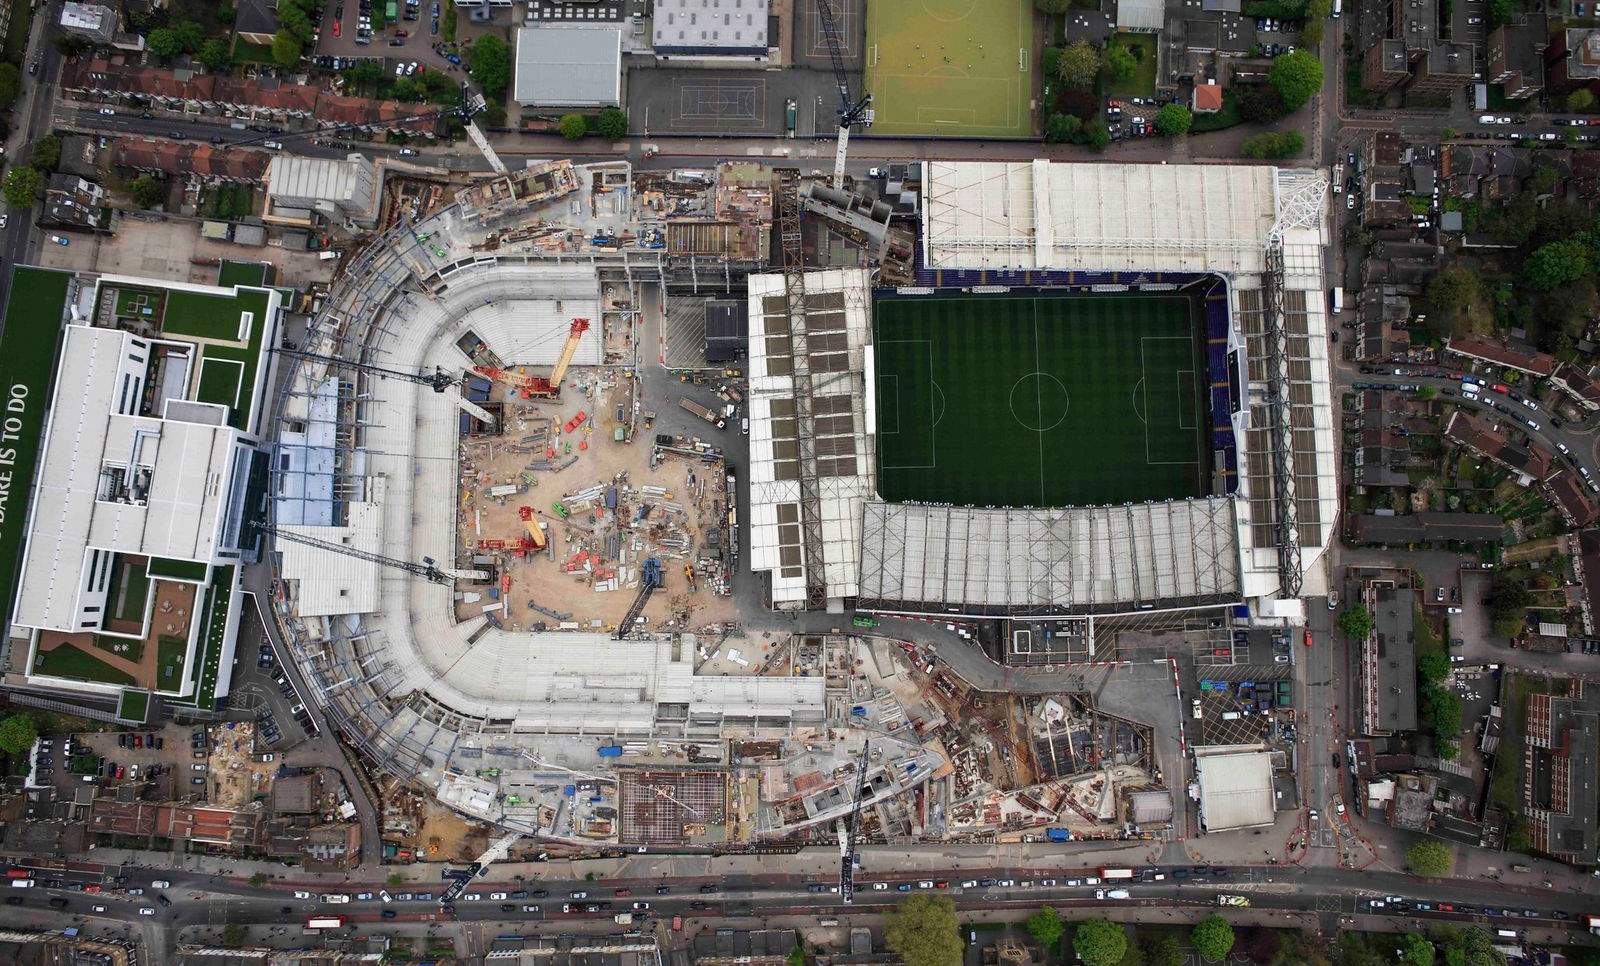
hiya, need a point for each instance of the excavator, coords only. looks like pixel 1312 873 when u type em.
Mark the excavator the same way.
pixel 535 387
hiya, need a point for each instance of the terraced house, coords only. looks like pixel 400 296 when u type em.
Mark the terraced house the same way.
pixel 136 407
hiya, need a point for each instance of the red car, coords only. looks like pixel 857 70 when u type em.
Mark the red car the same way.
pixel 619 893
pixel 337 28
pixel 138 741
pixel 119 772
pixel 1500 388
pixel 1308 637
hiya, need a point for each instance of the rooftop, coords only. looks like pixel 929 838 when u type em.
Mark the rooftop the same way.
pixel 1392 661
pixel 1236 788
pixel 709 26
pixel 569 66
pixel 1583 53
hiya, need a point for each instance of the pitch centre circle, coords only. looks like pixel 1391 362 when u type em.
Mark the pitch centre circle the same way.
pixel 1039 402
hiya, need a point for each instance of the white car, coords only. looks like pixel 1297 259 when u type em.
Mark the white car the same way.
pixel 1006 883
pixel 303 895
pixel 1533 425
pixel 880 886
pixel 1548 136
pixel 925 884
pixel 530 908
pixel 1486 119
pixel 160 884
pixel 108 112
pixel 272 145
pixel 335 898
pixel 385 896
pixel 1333 600
pixel 1563 447
pixel 3 220
pixel 473 897
pixel 497 896
pixel 1339 808
pixel 408 152
pixel 970 884
pixel 399 70
pixel 146 911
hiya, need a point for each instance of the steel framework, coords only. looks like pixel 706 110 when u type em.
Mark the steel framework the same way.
pixel 794 297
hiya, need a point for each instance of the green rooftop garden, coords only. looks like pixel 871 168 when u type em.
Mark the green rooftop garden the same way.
pixel 134 706
pixel 130 588
pixel 189 570
pixel 241 273
pixel 208 659
pixel 67 661
pixel 219 379
pixel 169 662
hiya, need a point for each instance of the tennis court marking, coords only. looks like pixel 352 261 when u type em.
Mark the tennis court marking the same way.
pixel 933 414
pixel 716 101
pixel 1142 389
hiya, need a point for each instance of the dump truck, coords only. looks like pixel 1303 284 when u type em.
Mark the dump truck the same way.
pixel 691 406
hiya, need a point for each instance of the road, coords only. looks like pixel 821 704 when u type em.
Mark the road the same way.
pixel 19 240
pixel 203 900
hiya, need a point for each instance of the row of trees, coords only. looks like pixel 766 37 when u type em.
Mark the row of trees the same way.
pixel 294 31
pixel 25 182
pixel 611 124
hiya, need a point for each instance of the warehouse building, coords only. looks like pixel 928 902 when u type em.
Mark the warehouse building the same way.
pixel 1235 787
pixel 724 33
pixel 568 67
pixel 339 191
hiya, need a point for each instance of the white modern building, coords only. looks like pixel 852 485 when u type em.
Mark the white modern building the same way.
pixel 135 517
pixel 726 33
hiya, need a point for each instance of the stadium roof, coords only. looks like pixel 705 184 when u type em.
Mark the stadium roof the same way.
pixel 1137 557
pixel 569 67
pixel 1235 787
pixel 838 323
pixel 1039 215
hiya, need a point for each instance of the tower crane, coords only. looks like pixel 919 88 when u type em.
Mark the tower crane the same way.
pixel 532 387
pixel 850 830
pixel 438 379
pixel 852 110
pixel 427 569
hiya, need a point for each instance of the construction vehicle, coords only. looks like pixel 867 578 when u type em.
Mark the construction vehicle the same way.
pixel 651 579
pixel 535 531
pixel 691 406
pixel 688 574
pixel 535 387
pixel 851 110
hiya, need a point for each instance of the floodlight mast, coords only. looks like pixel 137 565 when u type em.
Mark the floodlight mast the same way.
pixel 852 110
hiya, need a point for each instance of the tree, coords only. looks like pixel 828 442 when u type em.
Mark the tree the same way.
pixel 1415 950
pixel 146 191
pixel 1079 64
pixel 257 880
pixel 1430 857
pixel 1580 100
pixel 1508 600
pixel 1045 927
pixel 1501 11
pixel 573 127
pixel 45 153
pixel 364 73
pixel 1317 12
pixel 1456 303
pixel 1099 942
pixel 189 35
pixel 1095 133
pixel 1271 145
pixel 1161 949
pixel 1120 63
pixel 612 124
pixel 17 730
pixel 1261 945
pixel 10 81
pixel 1355 622
pixel 215 54
pixel 1439 712
pixel 1470 946
pixel 1173 120
pixel 286 47
pixel 233 935
pixel 1261 105
pixel 1061 128
pixel 22 186
pixel 489 62
pixel 1212 938
pixel 164 43
pixel 1298 77
pixel 1558 263
pixel 395 880
pixel 1432 667
pixel 922 931
pixel 71 45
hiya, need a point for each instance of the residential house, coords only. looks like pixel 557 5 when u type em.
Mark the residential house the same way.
pixel 1561 753
pixel 255 21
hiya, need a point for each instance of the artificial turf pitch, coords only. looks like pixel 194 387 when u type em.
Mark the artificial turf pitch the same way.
pixel 950 67
pixel 1030 401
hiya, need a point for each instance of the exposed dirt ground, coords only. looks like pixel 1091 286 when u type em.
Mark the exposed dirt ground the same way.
pixel 445 836
pixel 575 579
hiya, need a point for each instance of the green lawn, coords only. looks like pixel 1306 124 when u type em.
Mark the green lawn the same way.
pixel 241 273
pixel 214 627
pixel 27 359
pixel 950 67
pixel 169 661
pixel 131 648
pixel 219 380
pixel 67 661
pixel 209 316
pixel 1022 401
pixel 187 570
pixel 138 303
pixel 134 706
pixel 1143 81
pixel 130 588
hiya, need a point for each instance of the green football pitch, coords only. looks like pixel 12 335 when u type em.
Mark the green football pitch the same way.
pixel 1024 401
pixel 950 67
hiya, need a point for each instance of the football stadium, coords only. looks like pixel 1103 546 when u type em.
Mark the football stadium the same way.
pixel 1085 406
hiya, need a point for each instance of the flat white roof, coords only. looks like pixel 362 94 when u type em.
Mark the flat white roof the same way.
pixel 709 26
pixel 333 583
pixel 1235 788
pixel 178 470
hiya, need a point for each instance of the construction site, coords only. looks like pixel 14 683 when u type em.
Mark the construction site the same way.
pixel 573 524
